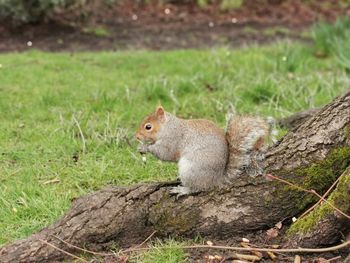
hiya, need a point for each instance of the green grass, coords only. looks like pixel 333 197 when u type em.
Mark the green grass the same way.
pixel 45 98
pixel 97 31
pixel 169 252
pixel 332 38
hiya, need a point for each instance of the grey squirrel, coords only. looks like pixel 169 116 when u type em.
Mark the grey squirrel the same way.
pixel 207 156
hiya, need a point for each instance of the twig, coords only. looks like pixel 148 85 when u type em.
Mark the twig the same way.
pixel 308 191
pixel 148 238
pixel 276 250
pixel 81 134
pixel 332 259
pixel 282 250
pixel 63 251
pixel 323 196
pixel 83 249
pixel 101 253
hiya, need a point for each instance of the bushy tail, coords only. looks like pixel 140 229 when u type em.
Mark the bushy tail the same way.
pixel 248 138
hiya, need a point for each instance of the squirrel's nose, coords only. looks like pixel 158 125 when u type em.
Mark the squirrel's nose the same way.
pixel 138 136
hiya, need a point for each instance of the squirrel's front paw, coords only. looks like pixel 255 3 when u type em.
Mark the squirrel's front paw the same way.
pixel 142 148
pixel 180 191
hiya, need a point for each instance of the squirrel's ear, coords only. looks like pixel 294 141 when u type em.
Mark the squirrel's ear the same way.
pixel 160 113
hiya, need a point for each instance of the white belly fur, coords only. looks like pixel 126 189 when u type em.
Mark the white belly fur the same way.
pixel 184 168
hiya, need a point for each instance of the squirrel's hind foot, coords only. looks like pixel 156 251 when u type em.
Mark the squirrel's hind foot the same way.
pixel 180 191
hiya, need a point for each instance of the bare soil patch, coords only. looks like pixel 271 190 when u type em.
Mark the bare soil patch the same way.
pixel 162 27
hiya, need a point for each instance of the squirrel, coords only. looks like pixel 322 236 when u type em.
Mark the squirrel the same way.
pixel 207 156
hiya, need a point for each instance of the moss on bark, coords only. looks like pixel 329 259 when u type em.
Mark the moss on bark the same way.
pixel 339 198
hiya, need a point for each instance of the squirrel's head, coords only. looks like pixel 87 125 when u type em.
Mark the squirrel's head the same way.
pixel 150 126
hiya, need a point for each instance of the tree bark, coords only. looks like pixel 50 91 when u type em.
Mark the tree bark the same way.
pixel 292 122
pixel 313 155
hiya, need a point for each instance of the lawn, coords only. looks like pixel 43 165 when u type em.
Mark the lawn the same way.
pixel 67 120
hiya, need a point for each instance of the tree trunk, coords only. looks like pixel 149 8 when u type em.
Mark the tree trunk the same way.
pixel 313 155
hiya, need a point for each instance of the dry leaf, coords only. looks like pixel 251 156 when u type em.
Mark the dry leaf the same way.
pixel 279 225
pixel 246 257
pixel 209 243
pixel 297 259
pixel 272 233
pixel 271 255
pixel 246 240
pixel 257 253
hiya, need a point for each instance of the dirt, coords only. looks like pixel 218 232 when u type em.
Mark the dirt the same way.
pixel 163 27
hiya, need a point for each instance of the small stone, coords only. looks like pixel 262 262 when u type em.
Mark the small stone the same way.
pixel 246 240
pixel 209 243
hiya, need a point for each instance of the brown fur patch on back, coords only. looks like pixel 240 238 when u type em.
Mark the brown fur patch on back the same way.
pixel 205 127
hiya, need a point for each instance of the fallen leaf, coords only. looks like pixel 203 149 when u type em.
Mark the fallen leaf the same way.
pixel 257 253
pixel 279 225
pixel 247 257
pixel 297 259
pixel 209 243
pixel 246 240
pixel 271 255
pixel 272 233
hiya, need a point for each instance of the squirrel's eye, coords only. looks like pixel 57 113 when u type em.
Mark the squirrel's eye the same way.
pixel 148 126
